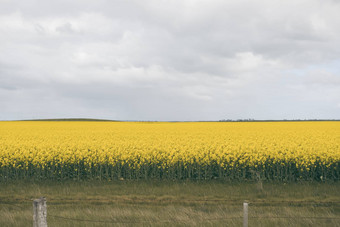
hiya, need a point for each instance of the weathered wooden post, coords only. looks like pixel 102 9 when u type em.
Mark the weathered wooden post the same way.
pixel 259 184
pixel 245 214
pixel 39 212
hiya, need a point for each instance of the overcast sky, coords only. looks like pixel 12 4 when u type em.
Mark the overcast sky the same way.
pixel 170 60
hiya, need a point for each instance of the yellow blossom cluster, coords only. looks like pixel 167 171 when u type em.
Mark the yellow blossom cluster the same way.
pixel 163 150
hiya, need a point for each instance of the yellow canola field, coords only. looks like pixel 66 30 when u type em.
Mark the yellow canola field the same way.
pixel 198 150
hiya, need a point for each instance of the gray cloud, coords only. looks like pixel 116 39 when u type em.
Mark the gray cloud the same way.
pixel 171 60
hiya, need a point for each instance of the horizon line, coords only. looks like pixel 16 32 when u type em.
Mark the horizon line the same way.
pixel 221 120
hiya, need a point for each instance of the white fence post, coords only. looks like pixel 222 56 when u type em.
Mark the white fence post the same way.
pixel 39 212
pixel 245 214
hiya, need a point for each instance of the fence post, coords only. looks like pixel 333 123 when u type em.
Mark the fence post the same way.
pixel 245 214
pixel 259 184
pixel 39 212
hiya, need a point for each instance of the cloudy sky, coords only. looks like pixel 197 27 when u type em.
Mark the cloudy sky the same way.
pixel 170 60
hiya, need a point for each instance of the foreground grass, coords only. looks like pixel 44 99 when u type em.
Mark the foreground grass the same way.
pixel 156 203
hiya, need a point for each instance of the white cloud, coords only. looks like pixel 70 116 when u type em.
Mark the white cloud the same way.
pixel 170 60
pixel 321 78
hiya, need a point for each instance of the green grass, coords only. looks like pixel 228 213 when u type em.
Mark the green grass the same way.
pixel 171 203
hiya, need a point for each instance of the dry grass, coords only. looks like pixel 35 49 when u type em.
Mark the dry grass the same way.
pixel 139 203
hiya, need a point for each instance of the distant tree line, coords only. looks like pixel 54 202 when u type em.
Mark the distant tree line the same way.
pixel 253 120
